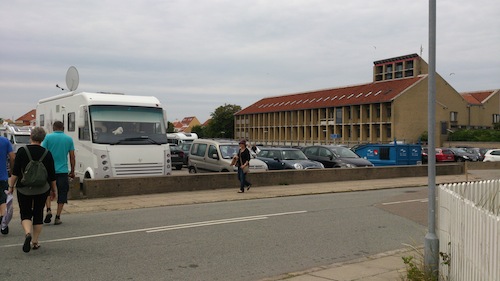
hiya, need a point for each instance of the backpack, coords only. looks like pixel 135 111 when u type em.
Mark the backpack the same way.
pixel 35 174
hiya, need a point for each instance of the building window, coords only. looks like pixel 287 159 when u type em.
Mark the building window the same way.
pixel 71 122
pixel 389 135
pixel 348 111
pixel 338 117
pixel 377 110
pixel 453 116
pixel 496 118
pixel 444 128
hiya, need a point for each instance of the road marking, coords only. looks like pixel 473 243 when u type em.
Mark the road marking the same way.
pixel 169 227
pixel 223 221
pixel 425 200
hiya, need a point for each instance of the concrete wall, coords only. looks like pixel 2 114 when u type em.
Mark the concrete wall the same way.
pixel 150 185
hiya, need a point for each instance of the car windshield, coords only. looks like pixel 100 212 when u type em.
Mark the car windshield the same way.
pixel 228 150
pixel 112 124
pixel 458 150
pixel 342 152
pixel 293 155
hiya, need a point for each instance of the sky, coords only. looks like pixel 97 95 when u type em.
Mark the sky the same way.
pixel 195 56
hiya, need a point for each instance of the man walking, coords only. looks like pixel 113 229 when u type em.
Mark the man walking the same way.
pixel 60 145
pixel 6 153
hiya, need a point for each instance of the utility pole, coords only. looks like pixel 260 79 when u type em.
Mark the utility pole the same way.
pixel 431 244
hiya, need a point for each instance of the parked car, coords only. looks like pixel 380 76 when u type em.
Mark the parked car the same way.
pixel 492 155
pixel 186 147
pixel 442 155
pixel 215 155
pixel 335 156
pixel 280 158
pixel 177 157
pixel 461 155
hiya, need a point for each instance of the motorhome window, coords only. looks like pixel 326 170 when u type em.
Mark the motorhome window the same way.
pixel 71 122
pixel 42 120
pixel 112 124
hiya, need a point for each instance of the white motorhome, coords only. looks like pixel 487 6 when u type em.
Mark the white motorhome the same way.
pixel 17 135
pixel 180 138
pixel 115 135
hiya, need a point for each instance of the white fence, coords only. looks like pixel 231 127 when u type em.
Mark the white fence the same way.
pixel 469 230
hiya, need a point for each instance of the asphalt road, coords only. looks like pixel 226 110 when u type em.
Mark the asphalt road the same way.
pixel 239 240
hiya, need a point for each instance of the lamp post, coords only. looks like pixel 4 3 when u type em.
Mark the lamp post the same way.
pixel 431 244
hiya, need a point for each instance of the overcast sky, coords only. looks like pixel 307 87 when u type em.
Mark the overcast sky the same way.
pixel 195 56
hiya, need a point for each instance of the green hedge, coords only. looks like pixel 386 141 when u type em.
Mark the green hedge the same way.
pixel 475 135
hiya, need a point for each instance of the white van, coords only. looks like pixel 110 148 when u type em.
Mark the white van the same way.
pixel 214 155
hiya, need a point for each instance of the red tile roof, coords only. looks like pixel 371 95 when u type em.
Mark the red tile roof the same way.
pixel 374 92
pixel 28 117
pixel 479 97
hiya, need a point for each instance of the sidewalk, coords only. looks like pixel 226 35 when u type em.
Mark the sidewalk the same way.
pixel 384 266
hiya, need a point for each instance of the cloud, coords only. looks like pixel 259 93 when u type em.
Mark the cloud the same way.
pixel 198 55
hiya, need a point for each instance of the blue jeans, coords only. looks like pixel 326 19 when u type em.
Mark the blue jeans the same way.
pixel 242 178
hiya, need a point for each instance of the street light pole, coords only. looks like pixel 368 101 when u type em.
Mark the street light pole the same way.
pixel 431 244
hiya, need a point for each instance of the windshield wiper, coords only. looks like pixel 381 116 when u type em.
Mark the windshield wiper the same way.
pixel 137 139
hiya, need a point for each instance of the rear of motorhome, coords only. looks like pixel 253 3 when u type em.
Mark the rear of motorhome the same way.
pixel 115 135
pixel 180 138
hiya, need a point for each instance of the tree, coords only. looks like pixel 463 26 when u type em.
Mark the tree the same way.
pixel 222 123
pixel 199 130
pixel 170 127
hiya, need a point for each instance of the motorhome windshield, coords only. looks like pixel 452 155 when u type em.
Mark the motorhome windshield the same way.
pixel 112 124
pixel 21 139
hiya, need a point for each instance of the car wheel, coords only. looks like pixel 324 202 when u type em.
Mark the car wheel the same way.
pixel 178 167
pixel 192 170
pixel 460 159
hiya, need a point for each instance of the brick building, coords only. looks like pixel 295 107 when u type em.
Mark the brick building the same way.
pixel 392 106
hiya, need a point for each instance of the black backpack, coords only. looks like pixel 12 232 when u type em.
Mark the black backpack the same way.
pixel 35 174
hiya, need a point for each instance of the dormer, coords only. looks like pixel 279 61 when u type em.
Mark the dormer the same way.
pixel 399 67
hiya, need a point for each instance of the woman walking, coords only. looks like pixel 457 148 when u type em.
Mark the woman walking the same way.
pixel 32 198
pixel 243 164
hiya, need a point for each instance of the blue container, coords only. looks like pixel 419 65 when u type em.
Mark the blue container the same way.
pixel 390 154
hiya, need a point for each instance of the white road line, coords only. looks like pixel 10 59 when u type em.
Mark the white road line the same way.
pixel 169 227
pixel 407 201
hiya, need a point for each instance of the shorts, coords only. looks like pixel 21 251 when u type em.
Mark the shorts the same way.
pixel 4 185
pixel 62 182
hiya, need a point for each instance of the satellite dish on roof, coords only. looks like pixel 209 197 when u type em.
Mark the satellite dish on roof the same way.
pixel 72 78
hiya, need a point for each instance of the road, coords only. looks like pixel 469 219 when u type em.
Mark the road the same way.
pixel 239 240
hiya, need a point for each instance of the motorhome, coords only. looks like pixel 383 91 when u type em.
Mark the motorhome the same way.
pixel 180 138
pixel 115 135
pixel 17 135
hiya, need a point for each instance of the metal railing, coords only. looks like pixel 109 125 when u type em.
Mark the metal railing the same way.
pixel 469 230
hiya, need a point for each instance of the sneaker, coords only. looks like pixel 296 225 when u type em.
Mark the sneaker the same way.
pixel 48 218
pixel 57 221
pixel 5 230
